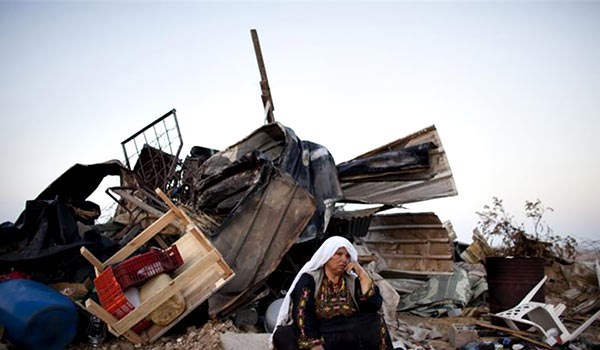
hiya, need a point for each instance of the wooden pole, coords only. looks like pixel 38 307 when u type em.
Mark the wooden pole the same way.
pixel 267 99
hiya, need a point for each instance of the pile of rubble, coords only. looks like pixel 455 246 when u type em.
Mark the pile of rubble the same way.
pixel 227 230
pixel 206 337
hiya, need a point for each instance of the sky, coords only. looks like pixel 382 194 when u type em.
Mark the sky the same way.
pixel 511 86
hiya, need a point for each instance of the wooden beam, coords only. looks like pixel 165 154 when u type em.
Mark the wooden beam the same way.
pixel 142 205
pixel 267 98
pixel 109 319
pixel 99 266
pixel 142 238
pixel 518 334
pixel 180 214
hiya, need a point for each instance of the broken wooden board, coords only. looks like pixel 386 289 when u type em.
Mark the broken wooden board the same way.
pixel 518 334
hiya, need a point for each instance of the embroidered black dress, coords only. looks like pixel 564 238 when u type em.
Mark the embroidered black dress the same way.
pixel 336 319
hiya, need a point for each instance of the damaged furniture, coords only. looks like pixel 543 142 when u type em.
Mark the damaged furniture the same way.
pixel 202 273
pixel 543 317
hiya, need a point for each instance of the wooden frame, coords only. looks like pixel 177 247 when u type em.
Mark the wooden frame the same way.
pixel 203 273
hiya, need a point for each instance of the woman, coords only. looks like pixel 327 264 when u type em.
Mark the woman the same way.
pixel 332 304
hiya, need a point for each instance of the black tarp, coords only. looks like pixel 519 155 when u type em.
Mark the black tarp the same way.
pixel 52 227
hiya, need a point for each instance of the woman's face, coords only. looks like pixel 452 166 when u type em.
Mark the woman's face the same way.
pixel 337 263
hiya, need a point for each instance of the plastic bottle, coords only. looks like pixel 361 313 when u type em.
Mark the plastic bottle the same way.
pixel 96 331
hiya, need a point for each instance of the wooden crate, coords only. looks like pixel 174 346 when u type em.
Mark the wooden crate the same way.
pixel 203 273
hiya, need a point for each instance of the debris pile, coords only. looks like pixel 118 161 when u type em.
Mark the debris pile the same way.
pixel 223 233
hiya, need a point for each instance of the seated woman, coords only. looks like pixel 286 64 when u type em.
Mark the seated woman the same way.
pixel 332 304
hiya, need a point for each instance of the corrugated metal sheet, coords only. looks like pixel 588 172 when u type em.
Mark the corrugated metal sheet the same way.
pixel 258 233
pixel 411 243
pixel 414 185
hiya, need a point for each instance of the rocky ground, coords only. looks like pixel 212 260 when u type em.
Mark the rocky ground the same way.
pixel 207 337
pixel 420 333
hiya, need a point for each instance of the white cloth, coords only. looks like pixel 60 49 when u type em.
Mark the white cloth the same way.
pixel 319 258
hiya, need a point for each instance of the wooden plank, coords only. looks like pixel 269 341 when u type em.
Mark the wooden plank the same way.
pixel 405 226
pixel 97 310
pixel 142 205
pixel 209 282
pixel 419 257
pixel 155 331
pixel 218 278
pixel 419 265
pixel 519 334
pixel 138 202
pixel 161 242
pixel 407 241
pixel 177 284
pixel 407 234
pixel 180 214
pixel 92 259
pixel 199 236
pixel 190 250
pixel 264 82
pixel 141 239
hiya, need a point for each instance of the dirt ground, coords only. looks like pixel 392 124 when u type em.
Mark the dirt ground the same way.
pixel 207 336
pixel 204 337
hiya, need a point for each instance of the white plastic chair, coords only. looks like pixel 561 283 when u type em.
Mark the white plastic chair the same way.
pixel 543 317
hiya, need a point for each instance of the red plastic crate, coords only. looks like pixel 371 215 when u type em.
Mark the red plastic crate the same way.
pixel 140 268
pixel 113 299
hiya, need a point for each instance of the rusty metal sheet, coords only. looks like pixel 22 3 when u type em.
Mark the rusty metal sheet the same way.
pixel 259 232
pixel 411 242
pixel 417 183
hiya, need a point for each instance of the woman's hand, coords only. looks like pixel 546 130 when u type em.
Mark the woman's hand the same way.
pixel 354 266
pixel 363 276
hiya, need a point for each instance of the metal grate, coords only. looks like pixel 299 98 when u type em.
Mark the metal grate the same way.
pixel 153 152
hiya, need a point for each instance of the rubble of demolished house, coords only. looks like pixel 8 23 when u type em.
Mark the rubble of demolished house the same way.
pixel 220 234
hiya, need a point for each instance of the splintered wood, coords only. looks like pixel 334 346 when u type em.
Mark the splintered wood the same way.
pixel 202 273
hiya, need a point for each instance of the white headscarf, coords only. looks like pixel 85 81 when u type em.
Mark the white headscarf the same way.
pixel 319 258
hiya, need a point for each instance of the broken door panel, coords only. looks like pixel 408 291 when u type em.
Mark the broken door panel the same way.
pixel 259 232
pixel 411 242
pixel 418 182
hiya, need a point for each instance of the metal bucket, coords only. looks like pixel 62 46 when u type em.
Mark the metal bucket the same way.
pixel 510 279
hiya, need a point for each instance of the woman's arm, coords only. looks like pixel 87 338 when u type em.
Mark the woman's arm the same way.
pixel 303 313
pixel 365 280
pixel 367 294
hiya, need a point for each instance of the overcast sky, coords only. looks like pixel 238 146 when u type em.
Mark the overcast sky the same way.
pixel 512 87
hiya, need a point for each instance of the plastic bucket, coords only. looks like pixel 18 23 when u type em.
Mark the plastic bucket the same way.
pixel 510 279
pixel 271 315
pixel 36 316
